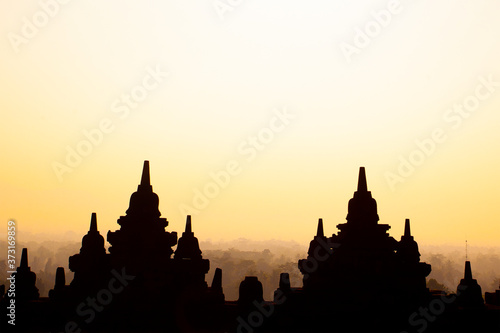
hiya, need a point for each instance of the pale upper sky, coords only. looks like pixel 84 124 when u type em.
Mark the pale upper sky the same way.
pixel 291 97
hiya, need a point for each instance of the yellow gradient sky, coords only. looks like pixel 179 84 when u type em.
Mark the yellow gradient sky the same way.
pixel 292 96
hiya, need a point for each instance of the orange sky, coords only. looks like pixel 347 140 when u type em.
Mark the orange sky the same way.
pixel 288 98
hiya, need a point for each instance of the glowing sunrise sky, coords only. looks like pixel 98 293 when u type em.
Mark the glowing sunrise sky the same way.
pixel 292 96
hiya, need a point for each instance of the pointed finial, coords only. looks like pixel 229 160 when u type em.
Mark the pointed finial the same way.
pixel 284 283
pixel 468 271
pixel 188 225
pixel 93 223
pixel 24 258
pixel 362 180
pixel 466 249
pixel 217 280
pixel 320 232
pixel 60 278
pixel 407 228
pixel 145 181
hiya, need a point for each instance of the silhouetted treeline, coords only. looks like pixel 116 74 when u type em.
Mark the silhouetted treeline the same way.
pixel 448 265
pixel 44 259
pixel 264 259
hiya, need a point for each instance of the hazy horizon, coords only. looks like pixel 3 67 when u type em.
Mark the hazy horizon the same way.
pixel 266 259
pixel 72 236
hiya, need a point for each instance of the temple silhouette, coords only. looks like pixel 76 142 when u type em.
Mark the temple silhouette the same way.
pixel 142 285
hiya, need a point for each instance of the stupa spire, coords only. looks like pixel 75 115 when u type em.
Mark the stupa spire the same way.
pixel 469 291
pixel 25 280
pixel 362 208
pixel 217 280
pixel 93 242
pixel 24 258
pixel 320 232
pixel 142 222
pixel 362 187
pixel 188 246
pixel 468 271
pixel 284 283
pixel 60 278
pixel 407 228
pixel 144 202
pixel 93 224
pixel 145 180
pixel 318 241
pixel 408 248
pixel 188 225
pixel 60 291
